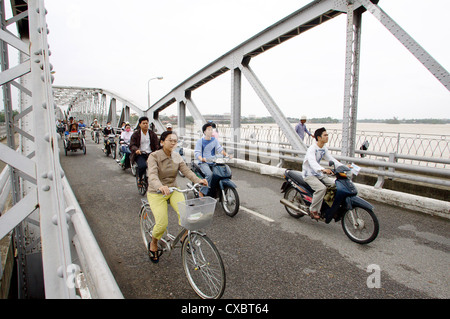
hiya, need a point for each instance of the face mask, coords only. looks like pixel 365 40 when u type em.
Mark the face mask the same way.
pixel 128 129
pixel 109 126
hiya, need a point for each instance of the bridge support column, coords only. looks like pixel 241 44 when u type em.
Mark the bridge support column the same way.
pixel 101 108
pixel 112 116
pixel 125 114
pixel 351 80
pixel 181 118
pixel 236 76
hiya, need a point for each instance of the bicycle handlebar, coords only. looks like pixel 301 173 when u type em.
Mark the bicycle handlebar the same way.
pixel 172 189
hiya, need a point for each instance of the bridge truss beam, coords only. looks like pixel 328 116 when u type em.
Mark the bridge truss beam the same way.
pixel 43 223
pixel 238 59
pixel 89 103
pixel 35 172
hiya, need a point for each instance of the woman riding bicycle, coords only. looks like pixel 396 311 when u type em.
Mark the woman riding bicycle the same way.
pixel 163 167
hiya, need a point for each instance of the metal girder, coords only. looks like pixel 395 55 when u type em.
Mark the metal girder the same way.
pixel 310 16
pixel 274 110
pixel 86 101
pixel 56 251
pixel 314 14
pixel 35 170
pixel 18 161
pixel 112 114
pixel 236 81
pixel 352 58
pixel 423 56
pixel 18 213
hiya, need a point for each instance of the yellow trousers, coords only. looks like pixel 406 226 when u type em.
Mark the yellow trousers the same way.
pixel 158 205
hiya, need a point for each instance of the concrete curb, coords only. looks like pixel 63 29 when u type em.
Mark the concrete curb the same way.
pixel 416 203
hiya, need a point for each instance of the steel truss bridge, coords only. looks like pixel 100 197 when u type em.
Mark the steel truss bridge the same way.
pixel 49 231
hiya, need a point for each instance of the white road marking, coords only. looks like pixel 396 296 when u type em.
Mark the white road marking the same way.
pixel 257 214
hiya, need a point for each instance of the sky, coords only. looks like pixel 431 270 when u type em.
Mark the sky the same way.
pixel 119 45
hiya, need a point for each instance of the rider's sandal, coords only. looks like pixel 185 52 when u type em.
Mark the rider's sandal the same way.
pixel 154 255
pixel 315 215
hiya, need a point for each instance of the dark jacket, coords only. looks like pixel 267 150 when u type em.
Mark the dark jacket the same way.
pixel 135 143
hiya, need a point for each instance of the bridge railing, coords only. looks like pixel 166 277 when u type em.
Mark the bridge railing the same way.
pixel 90 275
pixel 412 148
pixel 383 169
pixel 94 271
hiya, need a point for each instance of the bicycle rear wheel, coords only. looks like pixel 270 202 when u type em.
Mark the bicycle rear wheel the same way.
pixel 203 266
pixel 147 221
pixel 142 185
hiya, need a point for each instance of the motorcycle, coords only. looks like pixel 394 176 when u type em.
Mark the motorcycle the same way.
pixel 61 129
pixel 358 219
pixel 110 145
pixel 221 185
pixel 127 163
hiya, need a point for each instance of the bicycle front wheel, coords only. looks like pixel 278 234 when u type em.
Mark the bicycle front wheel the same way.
pixel 203 266
pixel 147 221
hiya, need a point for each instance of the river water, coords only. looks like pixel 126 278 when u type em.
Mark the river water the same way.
pixel 423 140
pixel 434 129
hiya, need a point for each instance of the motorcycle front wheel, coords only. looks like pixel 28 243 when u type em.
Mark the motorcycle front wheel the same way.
pixel 360 225
pixel 113 151
pixel 231 204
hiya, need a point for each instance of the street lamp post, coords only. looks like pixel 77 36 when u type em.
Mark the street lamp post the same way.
pixel 148 87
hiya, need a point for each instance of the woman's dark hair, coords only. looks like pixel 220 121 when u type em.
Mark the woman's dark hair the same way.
pixel 319 132
pixel 165 134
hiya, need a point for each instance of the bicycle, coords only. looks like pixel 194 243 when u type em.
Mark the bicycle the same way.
pixel 142 182
pixel 201 260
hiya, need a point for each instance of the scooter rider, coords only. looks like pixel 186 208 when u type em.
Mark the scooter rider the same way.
pixel 205 148
pixel 124 142
pixel 313 172
pixel 106 131
pixel 142 140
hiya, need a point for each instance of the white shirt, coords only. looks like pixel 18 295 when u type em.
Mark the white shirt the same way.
pixel 311 162
pixel 145 143
pixel 126 136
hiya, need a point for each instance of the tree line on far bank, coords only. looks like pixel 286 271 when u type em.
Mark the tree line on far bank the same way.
pixel 269 119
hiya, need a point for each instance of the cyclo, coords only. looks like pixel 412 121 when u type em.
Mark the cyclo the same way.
pixel 201 260
pixel 74 141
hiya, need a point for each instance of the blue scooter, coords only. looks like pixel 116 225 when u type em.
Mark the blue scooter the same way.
pixel 221 185
pixel 359 222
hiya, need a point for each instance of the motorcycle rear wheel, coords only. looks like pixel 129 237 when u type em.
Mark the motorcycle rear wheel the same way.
pixel 360 225
pixel 295 198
